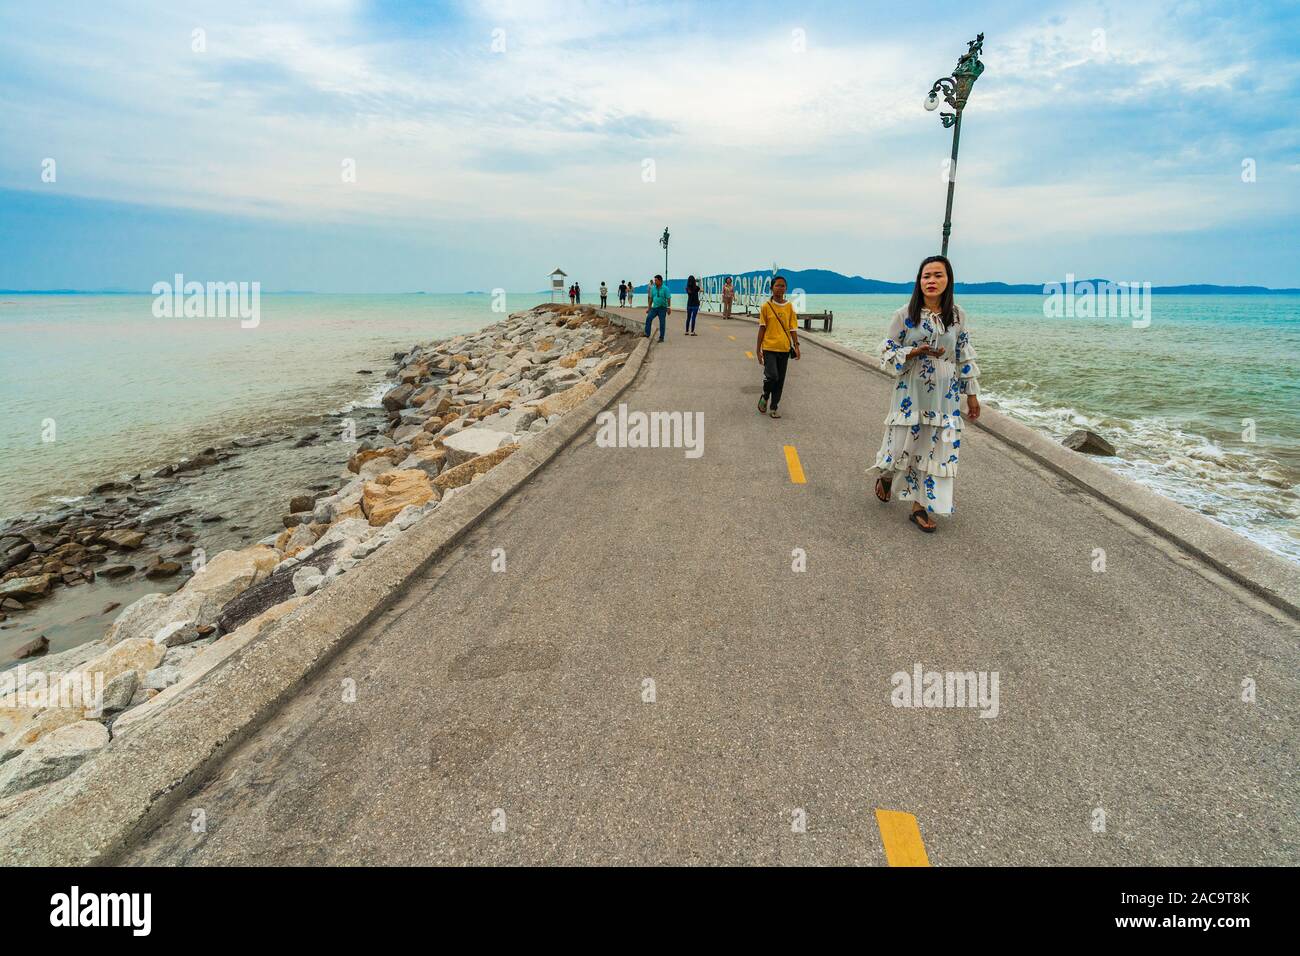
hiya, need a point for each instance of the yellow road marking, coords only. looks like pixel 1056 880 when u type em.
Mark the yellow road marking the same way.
pixel 749 355
pixel 732 337
pixel 901 835
pixel 792 463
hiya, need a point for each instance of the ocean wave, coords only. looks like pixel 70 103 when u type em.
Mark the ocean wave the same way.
pixel 1241 487
pixel 372 399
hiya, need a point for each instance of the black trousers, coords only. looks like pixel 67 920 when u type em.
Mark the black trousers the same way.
pixel 774 366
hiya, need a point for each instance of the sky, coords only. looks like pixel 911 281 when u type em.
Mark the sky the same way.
pixel 385 146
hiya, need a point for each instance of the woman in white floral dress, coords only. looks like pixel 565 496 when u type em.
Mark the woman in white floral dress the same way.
pixel 928 351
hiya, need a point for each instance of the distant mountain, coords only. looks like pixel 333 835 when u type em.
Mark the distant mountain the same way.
pixel 826 282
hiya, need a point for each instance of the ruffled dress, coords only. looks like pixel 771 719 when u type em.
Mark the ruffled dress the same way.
pixel 922 443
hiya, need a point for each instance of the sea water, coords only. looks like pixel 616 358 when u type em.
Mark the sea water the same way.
pixel 1202 405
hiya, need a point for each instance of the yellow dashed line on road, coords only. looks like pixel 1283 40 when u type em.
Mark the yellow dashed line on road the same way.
pixel 749 355
pixel 732 337
pixel 901 835
pixel 792 462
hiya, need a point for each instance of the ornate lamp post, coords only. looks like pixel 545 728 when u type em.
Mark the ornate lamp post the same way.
pixel 663 241
pixel 956 91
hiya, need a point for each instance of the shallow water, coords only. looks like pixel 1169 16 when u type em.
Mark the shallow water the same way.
pixel 123 391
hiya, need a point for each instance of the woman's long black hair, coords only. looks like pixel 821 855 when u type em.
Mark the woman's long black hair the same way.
pixel 947 310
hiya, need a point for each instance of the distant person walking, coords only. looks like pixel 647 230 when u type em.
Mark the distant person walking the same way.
pixel 572 294
pixel 777 342
pixel 577 293
pixel 692 304
pixel 728 295
pixel 622 293
pixel 660 303
pixel 928 350
pixel 604 294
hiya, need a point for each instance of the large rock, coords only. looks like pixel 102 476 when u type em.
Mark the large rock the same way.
pixel 231 572
pixel 33 648
pixel 567 400
pixel 53 757
pixel 465 473
pixel 153 613
pixel 43 724
pixel 390 456
pixel 473 442
pixel 118 693
pixel 516 421
pixel 26 589
pixel 349 529
pixel 123 540
pixel 307 580
pixel 397 398
pixel 275 589
pixel 383 498
pixel 430 460
pixel 140 654
pixel 1090 443
pixel 405 433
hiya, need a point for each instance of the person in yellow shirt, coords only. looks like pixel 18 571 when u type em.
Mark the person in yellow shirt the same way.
pixel 777 342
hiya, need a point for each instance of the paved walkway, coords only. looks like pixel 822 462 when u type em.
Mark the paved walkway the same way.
pixel 518 697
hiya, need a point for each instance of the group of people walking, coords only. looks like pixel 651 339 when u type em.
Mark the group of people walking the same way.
pixel 927 350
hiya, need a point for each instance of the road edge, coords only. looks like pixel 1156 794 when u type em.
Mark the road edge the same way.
pixel 91 817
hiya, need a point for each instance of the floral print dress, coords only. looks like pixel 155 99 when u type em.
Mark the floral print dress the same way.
pixel 922 441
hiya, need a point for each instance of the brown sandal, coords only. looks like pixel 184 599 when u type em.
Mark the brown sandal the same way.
pixel 882 485
pixel 913 517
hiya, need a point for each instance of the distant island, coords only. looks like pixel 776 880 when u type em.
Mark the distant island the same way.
pixel 826 282
pixel 811 281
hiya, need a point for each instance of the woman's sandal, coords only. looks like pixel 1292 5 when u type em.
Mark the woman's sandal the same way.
pixel 913 517
pixel 882 485
pixel 774 414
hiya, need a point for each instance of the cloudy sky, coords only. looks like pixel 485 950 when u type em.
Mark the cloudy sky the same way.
pixel 492 141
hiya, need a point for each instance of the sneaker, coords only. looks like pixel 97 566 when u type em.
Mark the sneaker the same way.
pixel 762 405
pixel 774 413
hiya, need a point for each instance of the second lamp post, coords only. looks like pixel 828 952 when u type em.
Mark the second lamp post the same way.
pixel 956 90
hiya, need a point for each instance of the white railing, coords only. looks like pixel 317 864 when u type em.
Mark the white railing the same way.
pixel 750 293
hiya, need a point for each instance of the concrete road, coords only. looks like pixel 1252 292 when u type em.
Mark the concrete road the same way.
pixel 506 717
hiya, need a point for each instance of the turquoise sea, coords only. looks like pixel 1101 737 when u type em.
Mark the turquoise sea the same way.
pixel 1178 399
pixel 125 391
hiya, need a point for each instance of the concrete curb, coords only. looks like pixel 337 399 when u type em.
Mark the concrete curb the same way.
pixel 1255 568
pixel 93 815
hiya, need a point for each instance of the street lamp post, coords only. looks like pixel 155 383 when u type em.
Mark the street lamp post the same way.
pixel 956 91
pixel 663 241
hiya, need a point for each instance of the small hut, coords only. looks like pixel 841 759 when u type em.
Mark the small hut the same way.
pixel 557 285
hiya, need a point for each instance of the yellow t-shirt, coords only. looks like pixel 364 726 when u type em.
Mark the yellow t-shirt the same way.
pixel 774 318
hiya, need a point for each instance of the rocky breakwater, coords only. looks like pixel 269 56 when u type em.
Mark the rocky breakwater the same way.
pixel 457 409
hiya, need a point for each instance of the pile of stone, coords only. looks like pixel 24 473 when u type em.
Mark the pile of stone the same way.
pixel 457 409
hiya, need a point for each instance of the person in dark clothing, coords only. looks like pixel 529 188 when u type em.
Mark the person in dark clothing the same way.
pixel 692 304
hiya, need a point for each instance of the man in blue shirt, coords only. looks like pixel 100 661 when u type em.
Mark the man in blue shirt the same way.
pixel 660 305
